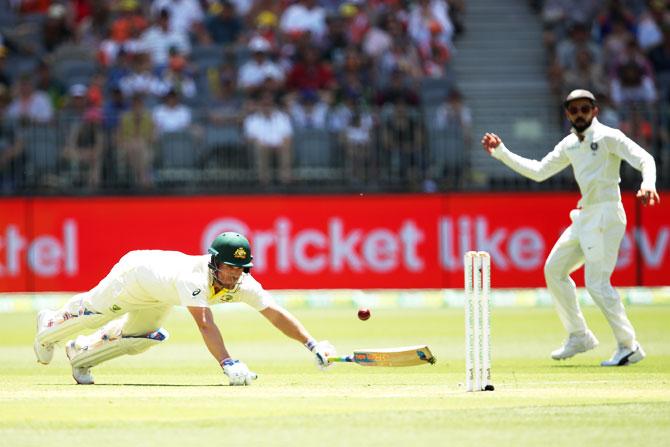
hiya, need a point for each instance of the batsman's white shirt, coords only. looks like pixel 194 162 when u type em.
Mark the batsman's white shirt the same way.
pixel 596 162
pixel 144 278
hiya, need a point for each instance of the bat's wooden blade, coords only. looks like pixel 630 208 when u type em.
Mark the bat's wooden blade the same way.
pixel 405 356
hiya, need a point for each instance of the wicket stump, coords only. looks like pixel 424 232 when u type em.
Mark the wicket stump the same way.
pixel 477 267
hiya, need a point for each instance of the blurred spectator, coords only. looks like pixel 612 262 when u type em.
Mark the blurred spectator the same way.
pixel 649 23
pixel 223 26
pixel 402 142
pixel 335 40
pixel 429 17
pixel 176 77
pixel 158 40
pixel 402 56
pixel 56 30
pixel 121 66
pixel 632 77
pixel 453 115
pixel 124 34
pixel 172 115
pixel 614 12
pixel 397 89
pixel 435 56
pixel 185 16
pixel 141 78
pixel 378 40
pixel 356 21
pixel 615 43
pixel 260 71
pixel 309 112
pixel 304 16
pixel 559 13
pixel 129 22
pixel 11 149
pixel 659 57
pixel 226 107
pixel 51 86
pixel 30 105
pixel 356 137
pixel 310 72
pixel 607 113
pixel 33 6
pixel 113 108
pixel 579 38
pixel 5 82
pixel 587 74
pixel 270 134
pixel 136 137
pixel 266 27
pixel 354 76
pixel 83 150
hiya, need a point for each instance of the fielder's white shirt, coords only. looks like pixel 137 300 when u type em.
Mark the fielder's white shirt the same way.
pixel 155 276
pixel 595 161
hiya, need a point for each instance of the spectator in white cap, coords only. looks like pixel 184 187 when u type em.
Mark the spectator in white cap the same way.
pixel 260 70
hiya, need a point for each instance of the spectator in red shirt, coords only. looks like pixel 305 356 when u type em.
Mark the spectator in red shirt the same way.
pixel 310 72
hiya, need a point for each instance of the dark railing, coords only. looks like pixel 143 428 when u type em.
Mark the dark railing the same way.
pixel 383 150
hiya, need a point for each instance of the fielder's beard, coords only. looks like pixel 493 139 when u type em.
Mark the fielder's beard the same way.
pixel 580 125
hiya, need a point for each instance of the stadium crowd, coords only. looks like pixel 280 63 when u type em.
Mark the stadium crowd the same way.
pixel 104 94
pixel 620 50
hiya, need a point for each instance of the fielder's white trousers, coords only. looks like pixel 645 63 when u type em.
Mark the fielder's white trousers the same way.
pixel 592 240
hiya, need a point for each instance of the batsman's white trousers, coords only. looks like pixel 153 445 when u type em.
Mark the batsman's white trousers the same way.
pixel 110 300
pixel 592 240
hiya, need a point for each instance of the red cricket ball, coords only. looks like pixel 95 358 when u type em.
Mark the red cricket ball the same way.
pixel 363 314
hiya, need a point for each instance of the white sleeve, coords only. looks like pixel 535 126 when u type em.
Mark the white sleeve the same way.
pixel 552 163
pixel 638 158
pixel 255 295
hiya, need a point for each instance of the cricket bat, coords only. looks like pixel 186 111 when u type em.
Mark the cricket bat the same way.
pixel 405 356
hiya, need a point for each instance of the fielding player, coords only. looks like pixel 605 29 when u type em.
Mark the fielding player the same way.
pixel 129 305
pixel 595 152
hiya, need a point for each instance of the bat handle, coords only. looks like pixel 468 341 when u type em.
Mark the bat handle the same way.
pixel 348 358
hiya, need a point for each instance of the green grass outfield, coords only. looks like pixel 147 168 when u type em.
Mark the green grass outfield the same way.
pixel 173 395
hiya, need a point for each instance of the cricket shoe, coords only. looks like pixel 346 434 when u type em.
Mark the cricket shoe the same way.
pixel 82 375
pixel 625 356
pixel 44 353
pixel 576 343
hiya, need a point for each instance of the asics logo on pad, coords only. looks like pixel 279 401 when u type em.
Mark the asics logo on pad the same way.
pixel 196 292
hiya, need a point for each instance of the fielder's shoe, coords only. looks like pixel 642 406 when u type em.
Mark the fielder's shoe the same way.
pixel 576 343
pixel 82 375
pixel 625 356
pixel 44 353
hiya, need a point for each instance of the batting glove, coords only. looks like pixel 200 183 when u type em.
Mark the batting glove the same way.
pixel 238 373
pixel 322 350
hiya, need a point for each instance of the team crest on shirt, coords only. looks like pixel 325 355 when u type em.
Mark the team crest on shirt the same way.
pixel 594 147
pixel 240 253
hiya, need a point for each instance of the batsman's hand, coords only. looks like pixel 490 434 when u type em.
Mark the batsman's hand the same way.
pixel 648 197
pixel 238 373
pixel 322 350
pixel 490 141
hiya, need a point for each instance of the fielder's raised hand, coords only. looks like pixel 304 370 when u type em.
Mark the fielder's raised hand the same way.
pixel 490 141
pixel 648 197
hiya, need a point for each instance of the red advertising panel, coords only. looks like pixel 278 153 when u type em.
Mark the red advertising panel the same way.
pixel 308 242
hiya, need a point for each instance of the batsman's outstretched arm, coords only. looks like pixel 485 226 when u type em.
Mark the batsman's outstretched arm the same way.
pixel 287 323
pixel 291 327
pixel 210 332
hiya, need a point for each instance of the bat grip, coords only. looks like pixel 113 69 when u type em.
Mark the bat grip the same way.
pixel 348 358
